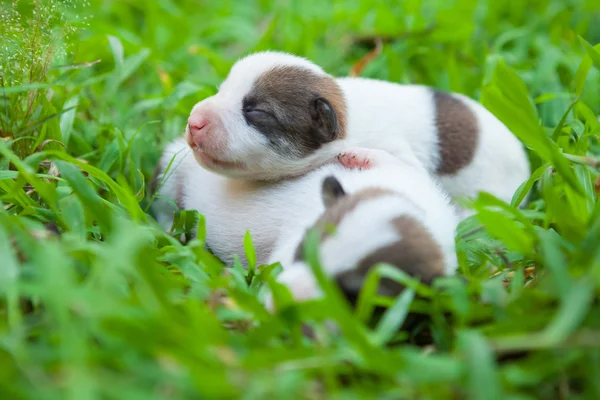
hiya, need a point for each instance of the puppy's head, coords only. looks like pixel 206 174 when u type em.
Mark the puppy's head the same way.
pixel 271 114
pixel 362 229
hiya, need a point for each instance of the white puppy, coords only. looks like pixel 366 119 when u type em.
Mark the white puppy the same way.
pixel 278 115
pixel 392 212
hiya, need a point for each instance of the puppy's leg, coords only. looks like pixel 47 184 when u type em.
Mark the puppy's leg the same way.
pixel 364 158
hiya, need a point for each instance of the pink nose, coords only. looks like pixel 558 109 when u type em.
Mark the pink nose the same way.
pixel 197 124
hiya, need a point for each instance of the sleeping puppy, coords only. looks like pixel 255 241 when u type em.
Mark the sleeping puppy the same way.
pixel 377 217
pixel 372 217
pixel 277 115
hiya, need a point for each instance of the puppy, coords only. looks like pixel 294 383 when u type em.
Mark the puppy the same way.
pixel 390 212
pixel 372 217
pixel 277 115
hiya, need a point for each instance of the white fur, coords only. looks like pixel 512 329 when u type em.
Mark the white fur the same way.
pixel 368 226
pixel 381 115
pixel 277 214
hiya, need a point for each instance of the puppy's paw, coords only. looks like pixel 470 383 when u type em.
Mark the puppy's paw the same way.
pixel 365 158
pixel 356 159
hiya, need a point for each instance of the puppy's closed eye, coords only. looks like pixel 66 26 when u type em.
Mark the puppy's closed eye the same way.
pixel 253 112
pixel 256 113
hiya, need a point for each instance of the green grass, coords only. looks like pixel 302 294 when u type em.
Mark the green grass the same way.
pixel 112 307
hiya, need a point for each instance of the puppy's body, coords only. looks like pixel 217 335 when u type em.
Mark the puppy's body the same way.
pixel 277 115
pixel 278 214
pixel 370 219
pixel 454 137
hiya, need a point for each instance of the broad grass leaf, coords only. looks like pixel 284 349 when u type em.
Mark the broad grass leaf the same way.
pixel 9 274
pixel 146 105
pixel 201 228
pixel 40 124
pixel 574 306
pixel 47 129
pixel 588 254
pixel 182 90
pixel 394 317
pixel 506 230
pixel 125 197
pixel 7 175
pixel 85 192
pixel 587 181
pixel 73 214
pixel 558 200
pixel 67 119
pixel 184 222
pixel 368 298
pixel 211 264
pixel 242 278
pixel 483 380
pixel 592 51
pixel 250 252
pixel 582 74
pixel 30 87
pixel 117 50
pixel 582 205
pixel 431 368
pixel 455 287
pixel 44 189
pixel 124 70
pixel 515 90
pixel 15 194
pixel 267 36
pixel 132 64
pixel 561 123
pixel 554 260
pixel 215 59
pixel 111 154
pixel 506 96
pixel 516 233
pixel 525 188
pixel 591 120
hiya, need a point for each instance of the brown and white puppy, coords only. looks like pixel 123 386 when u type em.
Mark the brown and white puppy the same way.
pixel 278 115
pixel 372 217
pixel 376 214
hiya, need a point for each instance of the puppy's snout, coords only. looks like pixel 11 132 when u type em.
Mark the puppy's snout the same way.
pixel 198 128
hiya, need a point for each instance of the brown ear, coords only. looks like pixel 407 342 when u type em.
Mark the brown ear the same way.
pixel 331 191
pixel 326 121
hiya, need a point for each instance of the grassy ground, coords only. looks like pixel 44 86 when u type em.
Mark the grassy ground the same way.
pixel 114 308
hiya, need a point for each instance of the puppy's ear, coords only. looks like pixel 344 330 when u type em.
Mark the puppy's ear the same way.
pixel 331 191
pixel 325 120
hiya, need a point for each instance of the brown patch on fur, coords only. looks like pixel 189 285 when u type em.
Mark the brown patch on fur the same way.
pixel 458 133
pixel 334 215
pixel 289 95
pixel 416 253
